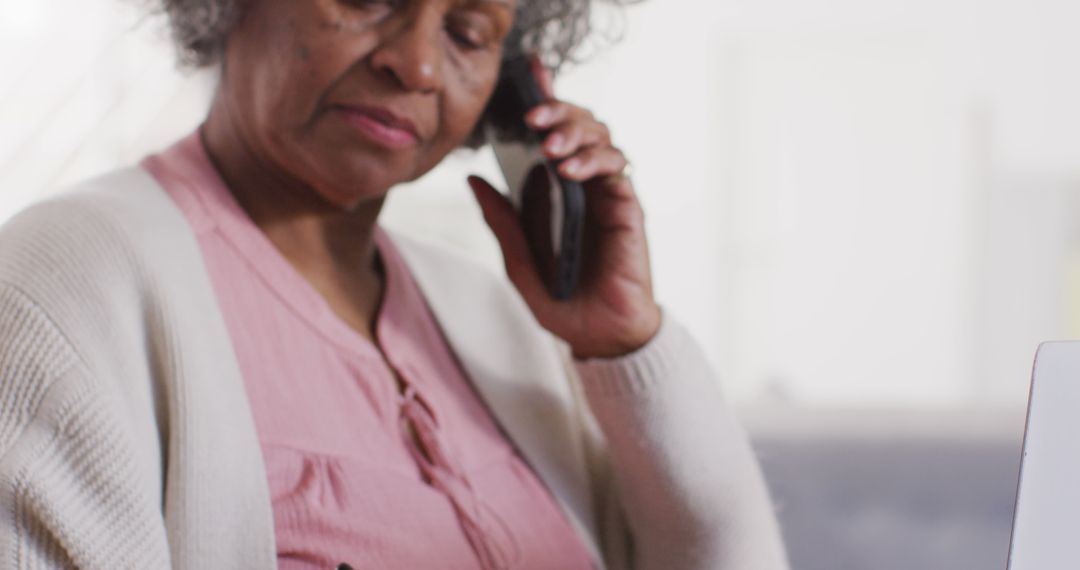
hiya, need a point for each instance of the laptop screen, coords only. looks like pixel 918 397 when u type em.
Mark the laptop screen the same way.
pixel 1046 526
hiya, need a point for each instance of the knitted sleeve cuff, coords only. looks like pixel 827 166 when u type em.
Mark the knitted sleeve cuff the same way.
pixel 666 357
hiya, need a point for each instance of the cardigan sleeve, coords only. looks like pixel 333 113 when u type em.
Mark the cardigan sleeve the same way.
pixel 687 482
pixel 71 491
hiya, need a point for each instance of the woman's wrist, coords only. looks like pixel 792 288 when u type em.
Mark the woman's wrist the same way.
pixel 625 341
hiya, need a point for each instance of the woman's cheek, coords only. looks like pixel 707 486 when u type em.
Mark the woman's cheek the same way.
pixel 479 91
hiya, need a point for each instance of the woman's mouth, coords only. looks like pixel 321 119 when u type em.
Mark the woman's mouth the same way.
pixel 380 125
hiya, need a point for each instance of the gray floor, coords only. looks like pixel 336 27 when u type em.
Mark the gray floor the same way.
pixel 894 491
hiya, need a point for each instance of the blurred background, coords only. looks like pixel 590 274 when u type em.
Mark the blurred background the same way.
pixel 862 208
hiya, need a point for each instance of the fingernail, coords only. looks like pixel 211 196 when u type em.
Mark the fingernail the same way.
pixel 555 143
pixel 542 116
pixel 572 166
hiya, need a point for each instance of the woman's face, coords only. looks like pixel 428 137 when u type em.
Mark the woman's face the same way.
pixel 349 97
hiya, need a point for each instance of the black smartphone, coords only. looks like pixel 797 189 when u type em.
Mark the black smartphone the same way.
pixel 551 208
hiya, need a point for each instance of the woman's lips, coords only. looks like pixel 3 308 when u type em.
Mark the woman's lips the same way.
pixel 381 126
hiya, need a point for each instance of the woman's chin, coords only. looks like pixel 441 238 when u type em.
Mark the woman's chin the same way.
pixel 346 196
pixel 351 181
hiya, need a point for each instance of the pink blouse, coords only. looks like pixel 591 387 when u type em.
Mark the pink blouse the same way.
pixel 349 481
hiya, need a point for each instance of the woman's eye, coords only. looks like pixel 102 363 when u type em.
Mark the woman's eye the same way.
pixel 368 3
pixel 465 39
pixel 471 31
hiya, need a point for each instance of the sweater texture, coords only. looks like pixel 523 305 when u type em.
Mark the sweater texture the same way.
pixel 336 413
pixel 127 439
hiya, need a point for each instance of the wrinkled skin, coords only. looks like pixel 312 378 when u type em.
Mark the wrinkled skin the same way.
pixel 283 132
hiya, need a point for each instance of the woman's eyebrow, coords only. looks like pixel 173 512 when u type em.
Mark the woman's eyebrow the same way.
pixel 505 3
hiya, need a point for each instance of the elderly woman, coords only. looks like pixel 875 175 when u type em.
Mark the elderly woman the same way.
pixel 218 359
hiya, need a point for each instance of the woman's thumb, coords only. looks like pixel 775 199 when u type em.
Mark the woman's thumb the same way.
pixel 502 218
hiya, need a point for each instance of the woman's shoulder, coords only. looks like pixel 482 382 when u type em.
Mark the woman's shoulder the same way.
pixel 424 254
pixel 97 229
pixel 455 283
pixel 100 257
pixel 480 311
pixel 124 200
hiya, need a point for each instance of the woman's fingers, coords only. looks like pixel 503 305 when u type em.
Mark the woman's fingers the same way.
pixel 548 115
pixel 569 129
pixel 571 136
pixel 592 162
pixel 502 218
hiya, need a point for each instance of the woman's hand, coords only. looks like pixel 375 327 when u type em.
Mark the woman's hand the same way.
pixel 612 312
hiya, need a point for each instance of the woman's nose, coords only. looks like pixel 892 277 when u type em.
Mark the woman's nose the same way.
pixel 412 53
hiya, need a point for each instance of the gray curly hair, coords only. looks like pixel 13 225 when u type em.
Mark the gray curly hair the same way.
pixel 557 30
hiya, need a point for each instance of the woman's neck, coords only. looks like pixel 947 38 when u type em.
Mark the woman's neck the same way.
pixel 334 249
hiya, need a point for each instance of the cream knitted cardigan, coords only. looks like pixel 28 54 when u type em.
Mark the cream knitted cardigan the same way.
pixel 126 440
